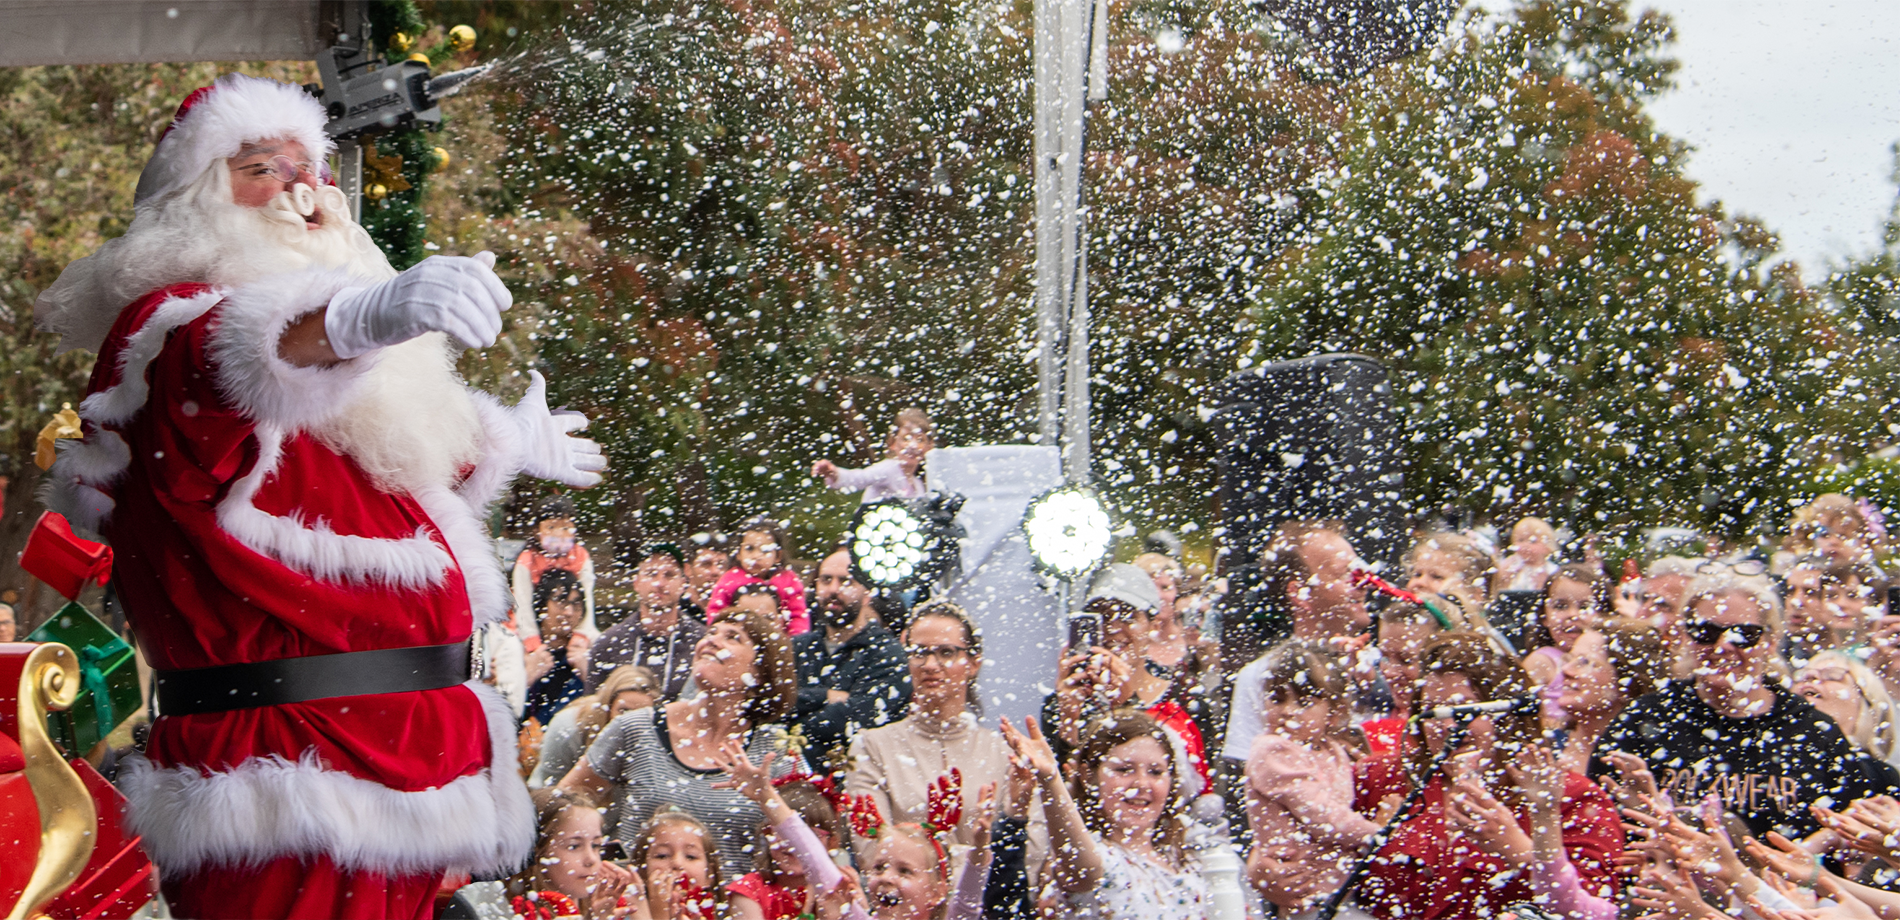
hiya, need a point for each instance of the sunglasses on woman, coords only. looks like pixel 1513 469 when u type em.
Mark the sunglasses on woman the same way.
pixel 1740 635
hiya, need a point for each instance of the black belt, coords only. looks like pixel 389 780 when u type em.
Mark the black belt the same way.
pixel 314 677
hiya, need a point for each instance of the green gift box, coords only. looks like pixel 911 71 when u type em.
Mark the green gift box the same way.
pixel 109 681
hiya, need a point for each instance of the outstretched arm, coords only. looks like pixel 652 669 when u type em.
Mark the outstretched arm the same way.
pixel 1074 862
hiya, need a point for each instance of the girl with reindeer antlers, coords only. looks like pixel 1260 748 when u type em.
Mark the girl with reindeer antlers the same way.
pixel 909 875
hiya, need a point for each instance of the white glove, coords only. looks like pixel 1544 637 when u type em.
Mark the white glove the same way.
pixel 548 449
pixel 452 294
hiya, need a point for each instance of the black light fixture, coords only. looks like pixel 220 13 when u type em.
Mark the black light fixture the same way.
pixel 897 544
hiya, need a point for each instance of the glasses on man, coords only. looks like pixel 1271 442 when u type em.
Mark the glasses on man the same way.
pixel 281 168
pixel 1740 635
pixel 944 653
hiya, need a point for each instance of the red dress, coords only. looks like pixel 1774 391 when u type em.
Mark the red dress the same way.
pixel 239 537
pixel 777 901
pixel 1428 871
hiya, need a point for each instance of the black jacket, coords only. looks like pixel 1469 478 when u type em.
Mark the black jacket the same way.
pixel 870 666
pixel 1768 769
pixel 669 657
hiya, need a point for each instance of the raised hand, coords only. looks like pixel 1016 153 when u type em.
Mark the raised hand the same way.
pixel 549 448
pixel 1471 808
pixel 603 900
pixel 753 782
pixel 986 802
pixel 451 294
pixel 1032 749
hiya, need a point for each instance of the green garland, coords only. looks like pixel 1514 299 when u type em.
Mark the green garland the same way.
pixel 396 221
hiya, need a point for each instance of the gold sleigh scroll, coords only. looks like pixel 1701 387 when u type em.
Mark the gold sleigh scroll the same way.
pixel 50 681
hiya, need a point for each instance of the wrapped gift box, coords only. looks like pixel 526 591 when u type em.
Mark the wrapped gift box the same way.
pixel 109 681
pixel 63 559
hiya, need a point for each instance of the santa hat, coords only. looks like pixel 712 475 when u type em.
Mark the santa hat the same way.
pixel 216 121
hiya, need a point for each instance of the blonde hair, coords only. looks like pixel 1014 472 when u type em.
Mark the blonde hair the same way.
pixel 593 712
pixel 1755 588
pixel 1533 525
pixel 1157 563
pixel 1476 566
pixel 913 417
pixel 1832 510
pixel 1874 731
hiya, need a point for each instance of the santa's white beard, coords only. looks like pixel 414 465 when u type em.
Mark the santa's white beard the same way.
pixel 200 236
pixel 413 425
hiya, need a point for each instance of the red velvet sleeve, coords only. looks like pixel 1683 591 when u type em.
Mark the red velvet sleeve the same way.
pixel 1593 835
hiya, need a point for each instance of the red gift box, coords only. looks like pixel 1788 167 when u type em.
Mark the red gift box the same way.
pixel 57 556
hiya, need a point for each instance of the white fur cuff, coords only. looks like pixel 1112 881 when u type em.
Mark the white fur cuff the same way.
pixel 255 377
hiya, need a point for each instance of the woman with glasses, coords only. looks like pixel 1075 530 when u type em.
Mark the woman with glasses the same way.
pixel 1851 694
pixel 896 763
pixel 1733 729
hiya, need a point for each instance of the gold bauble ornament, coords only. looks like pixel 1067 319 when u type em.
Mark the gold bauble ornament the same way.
pixel 441 159
pixel 375 191
pixel 401 41
pixel 461 38
pixel 419 58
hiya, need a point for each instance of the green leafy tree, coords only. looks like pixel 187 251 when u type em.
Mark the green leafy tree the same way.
pixel 1508 231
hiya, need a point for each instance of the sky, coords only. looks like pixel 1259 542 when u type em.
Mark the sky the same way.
pixel 1792 106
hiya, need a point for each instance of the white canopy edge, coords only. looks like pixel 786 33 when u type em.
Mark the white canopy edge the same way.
pixel 40 32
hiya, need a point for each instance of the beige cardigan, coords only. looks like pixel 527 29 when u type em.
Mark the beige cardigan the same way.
pixel 896 764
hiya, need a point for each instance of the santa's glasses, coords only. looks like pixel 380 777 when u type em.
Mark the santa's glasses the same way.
pixel 285 169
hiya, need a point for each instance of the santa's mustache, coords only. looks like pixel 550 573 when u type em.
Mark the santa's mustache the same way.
pixel 301 202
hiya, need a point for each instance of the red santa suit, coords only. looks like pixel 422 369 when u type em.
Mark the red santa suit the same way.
pixel 241 534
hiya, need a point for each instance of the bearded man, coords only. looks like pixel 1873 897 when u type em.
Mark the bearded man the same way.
pixel 293 481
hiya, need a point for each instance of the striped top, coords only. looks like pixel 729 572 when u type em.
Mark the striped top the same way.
pixel 635 753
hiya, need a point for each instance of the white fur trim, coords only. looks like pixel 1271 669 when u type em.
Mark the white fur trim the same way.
pixel 118 404
pixel 237 111
pixel 468 539
pixel 313 548
pixel 501 455
pixel 84 469
pixel 255 377
pixel 268 808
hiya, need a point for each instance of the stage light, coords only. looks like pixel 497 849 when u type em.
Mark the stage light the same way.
pixel 891 544
pixel 1069 531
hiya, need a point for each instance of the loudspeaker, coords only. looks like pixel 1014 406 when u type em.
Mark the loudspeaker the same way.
pixel 1315 438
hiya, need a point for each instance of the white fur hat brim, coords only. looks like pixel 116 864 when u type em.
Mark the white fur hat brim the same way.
pixel 217 121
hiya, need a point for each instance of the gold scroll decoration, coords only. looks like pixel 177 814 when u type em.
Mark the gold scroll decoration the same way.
pixel 50 681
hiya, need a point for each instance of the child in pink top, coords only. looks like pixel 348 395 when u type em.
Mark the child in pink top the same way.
pixel 763 547
pixel 1299 775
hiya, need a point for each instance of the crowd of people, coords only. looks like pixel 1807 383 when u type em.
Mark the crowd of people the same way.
pixel 714 729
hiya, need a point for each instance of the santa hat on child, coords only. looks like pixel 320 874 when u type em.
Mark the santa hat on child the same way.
pixel 216 121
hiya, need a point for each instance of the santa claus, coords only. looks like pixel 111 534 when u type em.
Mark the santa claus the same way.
pixel 293 480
